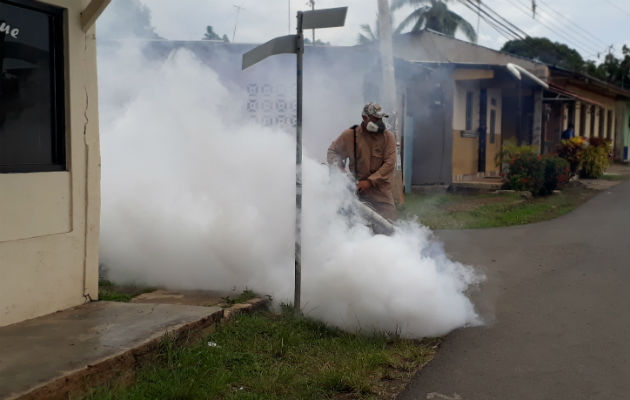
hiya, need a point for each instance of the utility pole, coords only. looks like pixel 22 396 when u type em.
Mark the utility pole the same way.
pixel 387 55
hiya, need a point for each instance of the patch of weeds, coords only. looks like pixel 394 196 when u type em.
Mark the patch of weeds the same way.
pixel 247 294
pixel 277 356
pixel 109 291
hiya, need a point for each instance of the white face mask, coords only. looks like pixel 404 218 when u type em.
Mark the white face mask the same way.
pixel 372 127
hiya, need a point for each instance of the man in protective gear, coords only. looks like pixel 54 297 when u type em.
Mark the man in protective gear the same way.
pixel 371 149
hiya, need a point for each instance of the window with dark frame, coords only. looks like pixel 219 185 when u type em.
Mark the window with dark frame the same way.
pixel 32 123
pixel 469 107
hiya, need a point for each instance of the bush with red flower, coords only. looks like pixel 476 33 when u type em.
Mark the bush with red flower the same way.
pixel 540 175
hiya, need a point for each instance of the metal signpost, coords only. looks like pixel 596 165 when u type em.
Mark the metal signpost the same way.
pixel 326 18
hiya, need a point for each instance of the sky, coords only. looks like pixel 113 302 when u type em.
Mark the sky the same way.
pixel 589 27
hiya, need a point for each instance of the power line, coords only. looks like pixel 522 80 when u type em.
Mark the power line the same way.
pixel 562 32
pixel 516 33
pixel 562 35
pixel 523 33
pixel 502 30
pixel 617 7
pixel 575 27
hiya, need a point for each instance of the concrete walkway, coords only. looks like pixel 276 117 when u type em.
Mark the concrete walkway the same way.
pixel 63 354
pixel 557 301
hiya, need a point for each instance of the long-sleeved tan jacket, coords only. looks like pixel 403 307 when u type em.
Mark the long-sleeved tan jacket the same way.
pixel 376 160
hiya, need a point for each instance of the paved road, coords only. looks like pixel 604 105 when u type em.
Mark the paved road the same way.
pixel 558 301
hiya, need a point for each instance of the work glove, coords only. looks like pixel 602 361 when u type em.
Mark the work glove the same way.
pixel 363 185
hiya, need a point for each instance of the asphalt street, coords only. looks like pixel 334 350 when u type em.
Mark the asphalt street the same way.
pixel 557 306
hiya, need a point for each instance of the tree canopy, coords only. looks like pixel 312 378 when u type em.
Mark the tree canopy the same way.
pixel 546 51
pixel 435 15
pixel 612 69
pixel 368 35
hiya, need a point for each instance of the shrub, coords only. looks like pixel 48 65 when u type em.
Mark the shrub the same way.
pixel 595 158
pixel 510 150
pixel 557 174
pixel 536 174
pixel 525 172
pixel 571 150
pixel 595 141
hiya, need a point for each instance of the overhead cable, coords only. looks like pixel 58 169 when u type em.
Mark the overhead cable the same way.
pixel 562 35
pixel 496 23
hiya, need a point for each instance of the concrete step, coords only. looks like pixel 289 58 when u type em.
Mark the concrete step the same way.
pixel 63 354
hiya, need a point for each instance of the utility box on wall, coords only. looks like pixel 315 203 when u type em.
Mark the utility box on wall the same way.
pixel 49 158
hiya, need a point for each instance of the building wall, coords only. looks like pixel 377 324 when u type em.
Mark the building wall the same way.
pixel 49 221
pixel 595 114
pixel 465 149
pixel 622 130
pixel 492 149
pixel 428 115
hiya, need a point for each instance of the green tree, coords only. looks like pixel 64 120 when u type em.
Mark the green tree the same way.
pixel 212 35
pixel 546 51
pixel 368 35
pixel 613 69
pixel 435 15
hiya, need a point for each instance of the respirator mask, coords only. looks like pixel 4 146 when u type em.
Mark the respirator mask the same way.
pixel 377 127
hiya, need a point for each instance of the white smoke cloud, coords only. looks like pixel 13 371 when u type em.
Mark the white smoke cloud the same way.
pixel 193 200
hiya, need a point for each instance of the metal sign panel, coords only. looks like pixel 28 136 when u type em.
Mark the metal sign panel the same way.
pixel 325 18
pixel 282 44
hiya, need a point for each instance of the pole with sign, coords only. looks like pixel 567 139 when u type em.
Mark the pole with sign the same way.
pixel 326 18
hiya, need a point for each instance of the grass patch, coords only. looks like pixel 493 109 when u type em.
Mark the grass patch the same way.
pixel 109 291
pixel 241 298
pixel 613 177
pixel 270 356
pixel 486 210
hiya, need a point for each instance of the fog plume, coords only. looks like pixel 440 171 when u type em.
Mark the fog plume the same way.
pixel 195 196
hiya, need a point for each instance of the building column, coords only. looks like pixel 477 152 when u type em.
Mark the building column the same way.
pixel 565 116
pixel 577 116
pixel 537 122
pixel 597 112
pixel 604 121
pixel 613 126
pixel 587 120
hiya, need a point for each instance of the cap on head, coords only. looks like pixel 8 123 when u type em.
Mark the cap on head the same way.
pixel 375 110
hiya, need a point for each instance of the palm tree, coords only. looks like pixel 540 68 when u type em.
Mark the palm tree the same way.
pixel 434 14
pixel 368 35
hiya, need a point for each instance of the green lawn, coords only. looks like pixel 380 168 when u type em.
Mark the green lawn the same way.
pixel 271 356
pixel 485 210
